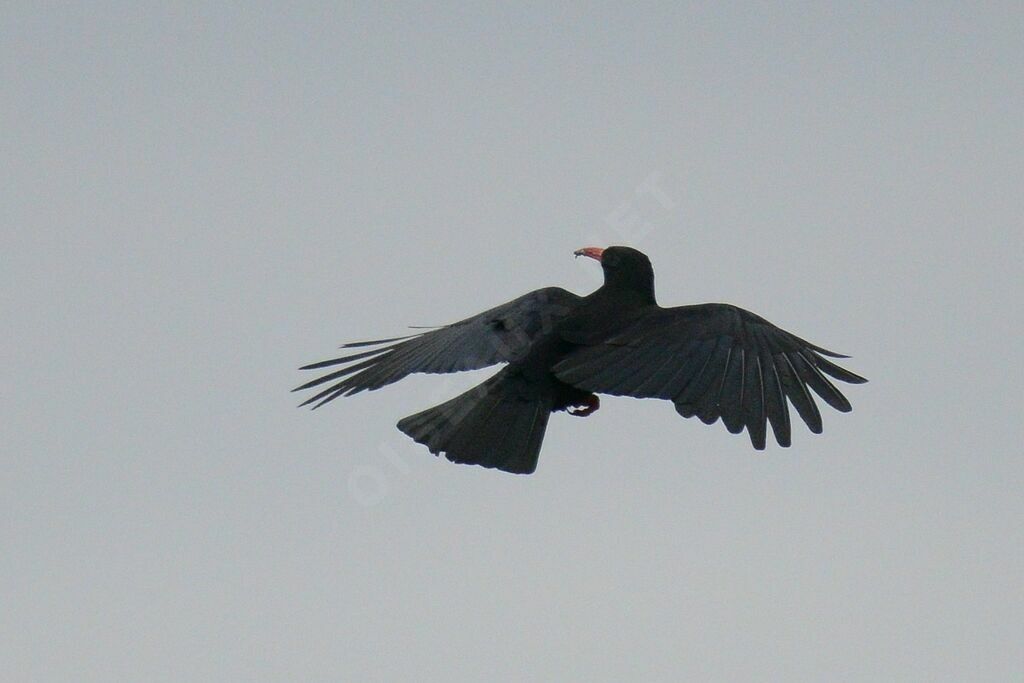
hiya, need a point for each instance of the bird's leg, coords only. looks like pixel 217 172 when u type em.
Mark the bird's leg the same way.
pixel 588 405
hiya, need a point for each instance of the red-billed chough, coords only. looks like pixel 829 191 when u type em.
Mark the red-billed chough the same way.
pixel 711 360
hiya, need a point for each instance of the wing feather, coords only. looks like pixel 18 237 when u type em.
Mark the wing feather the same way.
pixel 498 335
pixel 730 395
pixel 754 414
pixel 714 361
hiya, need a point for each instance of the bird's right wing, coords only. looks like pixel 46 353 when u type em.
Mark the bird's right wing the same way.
pixel 712 361
pixel 498 335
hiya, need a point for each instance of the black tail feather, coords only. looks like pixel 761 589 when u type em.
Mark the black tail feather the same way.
pixel 498 424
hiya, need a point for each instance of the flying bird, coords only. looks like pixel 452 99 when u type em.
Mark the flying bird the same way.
pixel 713 361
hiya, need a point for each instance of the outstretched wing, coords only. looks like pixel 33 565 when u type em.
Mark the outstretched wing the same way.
pixel 714 360
pixel 498 335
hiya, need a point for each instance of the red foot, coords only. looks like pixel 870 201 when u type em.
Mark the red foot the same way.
pixel 589 405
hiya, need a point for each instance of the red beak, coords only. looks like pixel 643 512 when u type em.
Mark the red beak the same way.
pixel 592 252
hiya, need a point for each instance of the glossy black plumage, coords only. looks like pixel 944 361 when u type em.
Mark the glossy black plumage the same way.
pixel 499 335
pixel 713 361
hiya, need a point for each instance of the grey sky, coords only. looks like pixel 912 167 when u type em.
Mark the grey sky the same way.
pixel 197 199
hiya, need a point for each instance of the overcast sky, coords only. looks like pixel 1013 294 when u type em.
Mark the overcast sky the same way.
pixel 198 198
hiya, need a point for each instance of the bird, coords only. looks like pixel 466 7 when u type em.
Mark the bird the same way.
pixel 561 351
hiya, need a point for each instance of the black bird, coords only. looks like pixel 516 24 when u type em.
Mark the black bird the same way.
pixel 711 360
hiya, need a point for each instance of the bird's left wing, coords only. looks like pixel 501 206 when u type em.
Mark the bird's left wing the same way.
pixel 713 360
pixel 498 335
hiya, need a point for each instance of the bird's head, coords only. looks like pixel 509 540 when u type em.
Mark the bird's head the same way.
pixel 624 268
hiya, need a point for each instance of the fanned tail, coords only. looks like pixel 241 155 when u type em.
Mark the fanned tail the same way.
pixel 498 424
